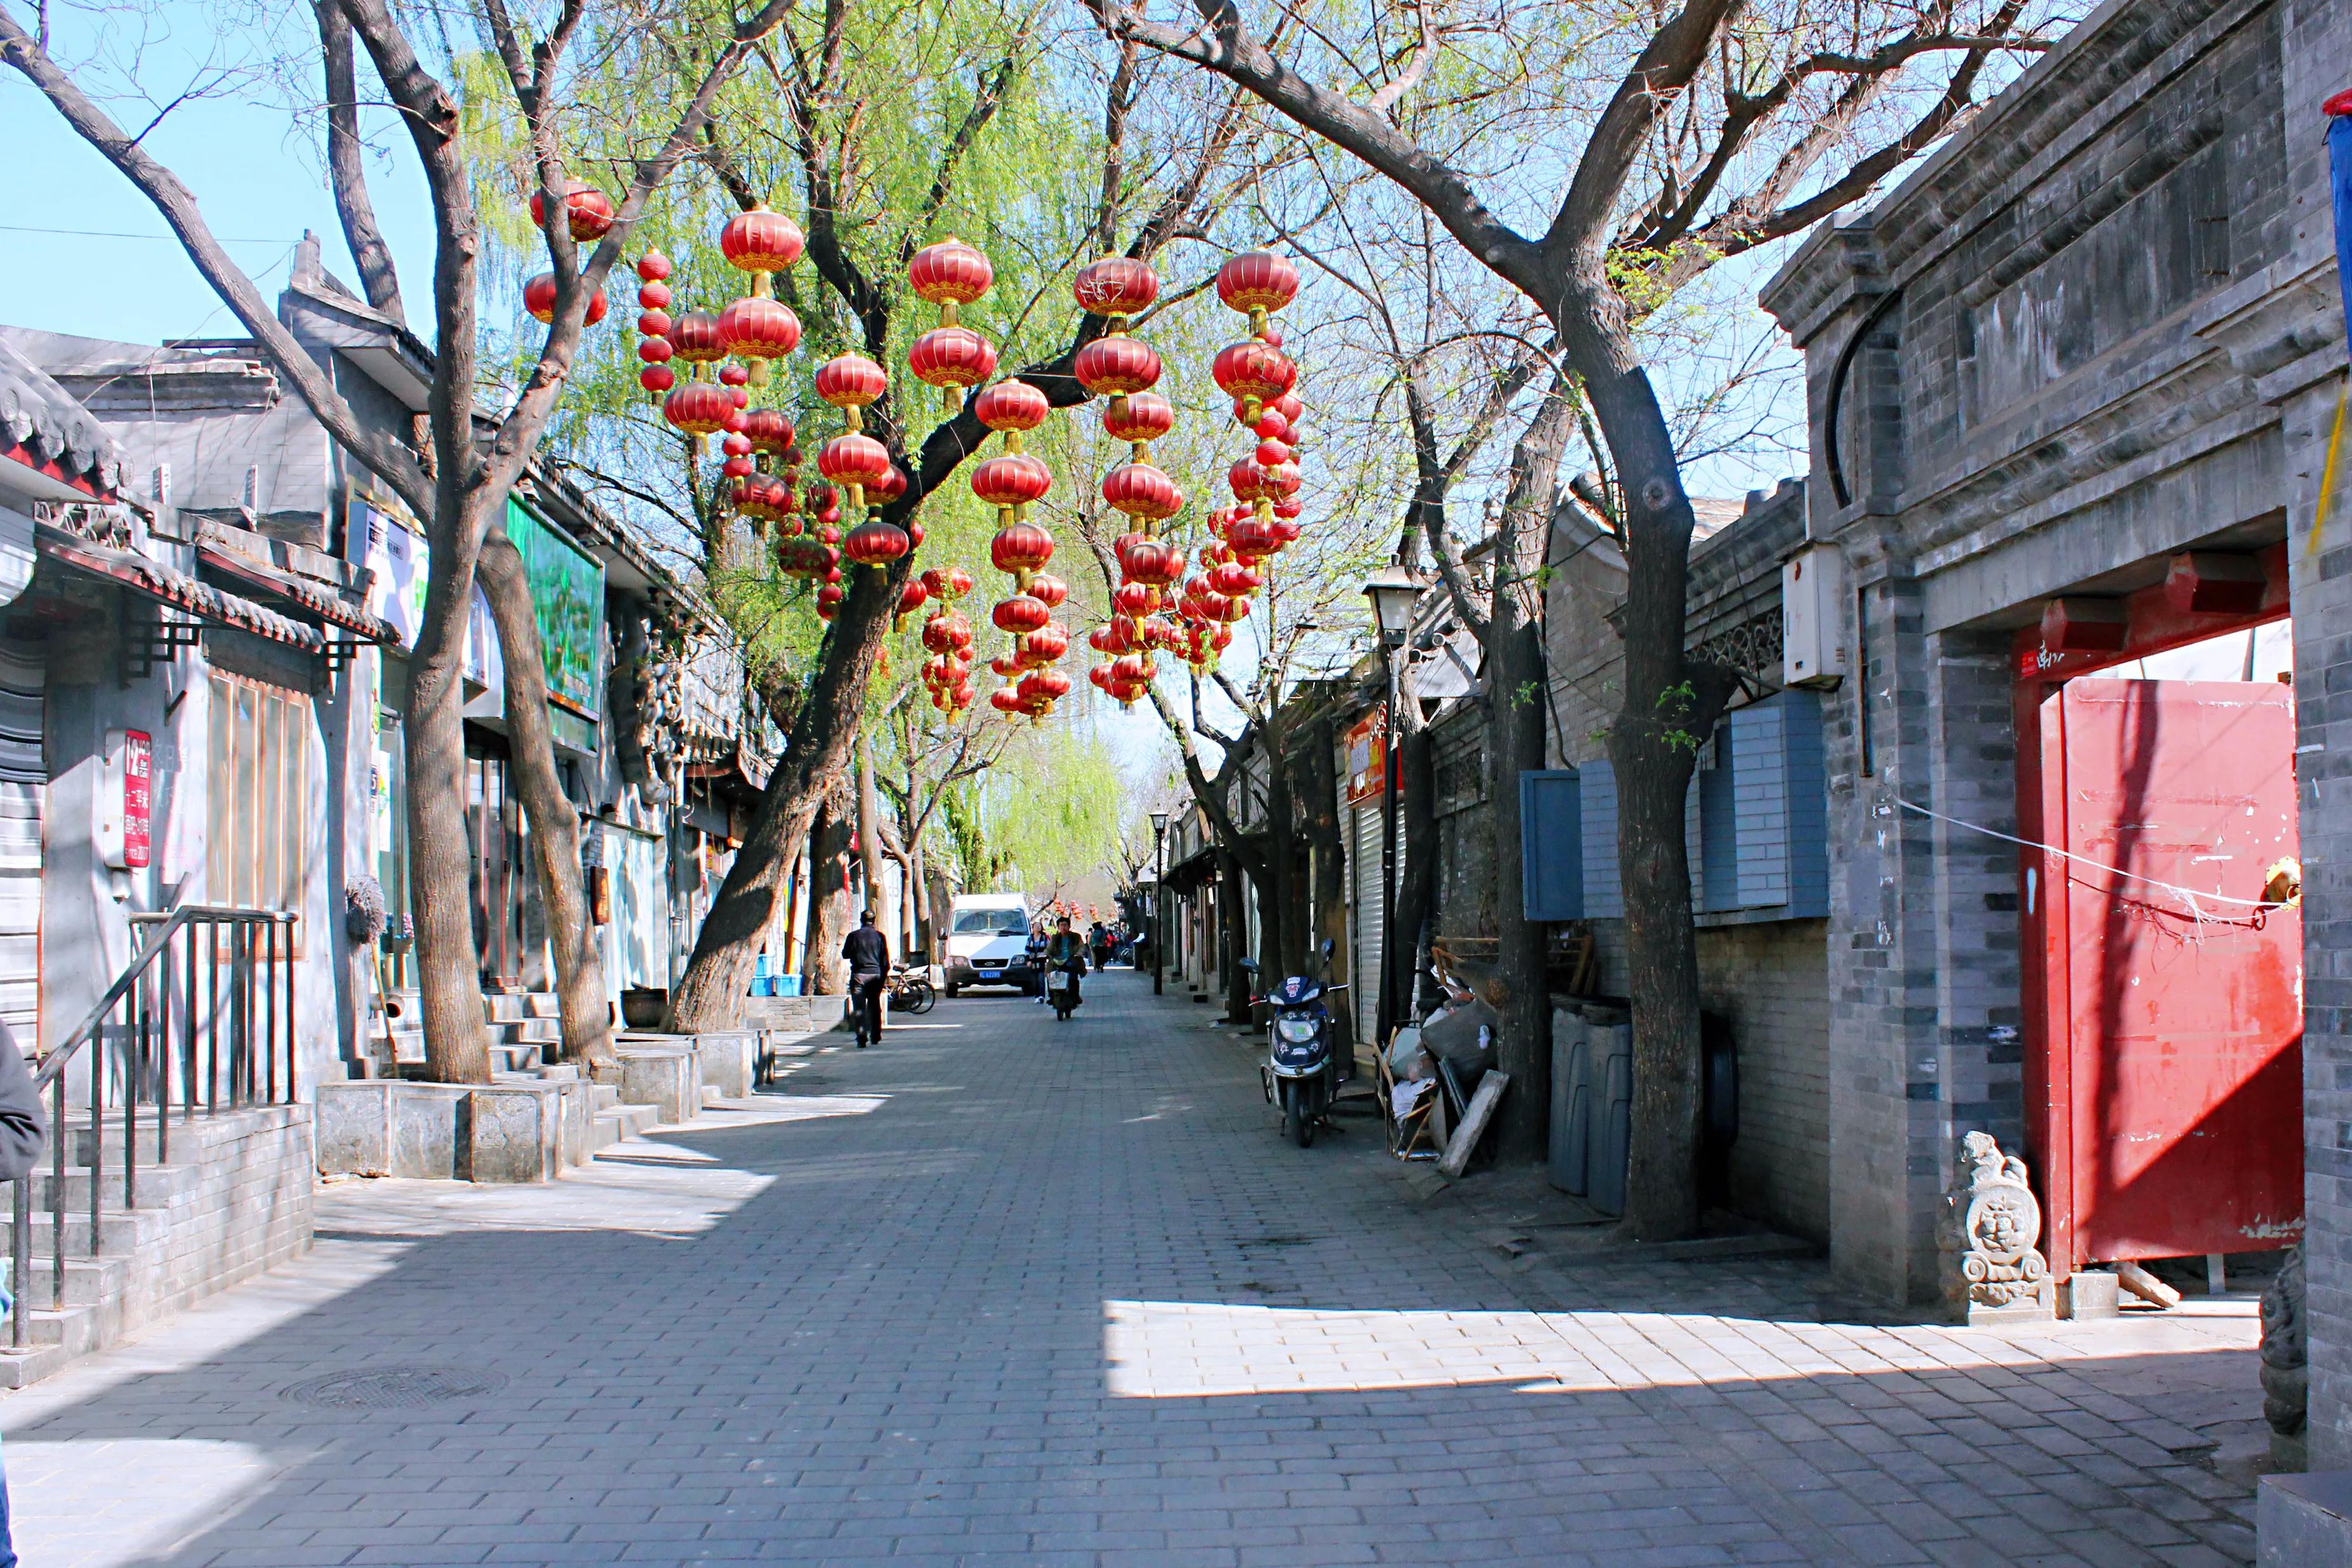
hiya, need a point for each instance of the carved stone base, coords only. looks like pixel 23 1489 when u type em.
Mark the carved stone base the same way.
pixel 1993 1268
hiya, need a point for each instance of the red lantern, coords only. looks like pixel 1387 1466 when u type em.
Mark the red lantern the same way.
pixel 654 350
pixel 828 600
pixel 1005 700
pixel 1141 417
pixel 947 632
pixel 539 300
pixel 1045 685
pixel 1047 589
pixel 653 324
pixel 853 459
pixel 1134 668
pixel 1142 492
pixel 588 208
pixel 850 380
pixel 655 296
pixel 1257 281
pixel 697 340
pixel 1132 599
pixel 1234 579
pixel 759 328
pixel 1012 479
pixel 760 241
pixel 657 378
pixel 1151 563
pixel 889 487
pixel 876 543
pixel 1228 610
pixel 949 273
pixel 1116 365
pixel 1020 614
pixel 952 358
pixel 1116 285
pixel 1252 537
pixel 1250 481
pixel 698 408
pixel 1287 509
pixel 770 430
pixel 735 376
pixel 1271 452
pixel 1250 369
pixel 653 266
pixel 1045 644
pixel 1021 547
pixel 1011 406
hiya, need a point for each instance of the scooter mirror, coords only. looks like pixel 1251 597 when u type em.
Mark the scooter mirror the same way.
pixel 1327 947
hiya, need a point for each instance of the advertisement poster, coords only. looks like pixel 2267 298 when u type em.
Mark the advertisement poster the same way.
pixel 567 594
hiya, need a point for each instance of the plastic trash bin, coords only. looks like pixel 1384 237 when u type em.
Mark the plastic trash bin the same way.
pixel 1571 1058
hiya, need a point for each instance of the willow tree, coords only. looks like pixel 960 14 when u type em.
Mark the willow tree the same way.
pixel 456 478
pixel 1673 137
pixel 887 128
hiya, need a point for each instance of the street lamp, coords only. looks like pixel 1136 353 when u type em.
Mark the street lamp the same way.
pixel 1393 590
pixel 1158 897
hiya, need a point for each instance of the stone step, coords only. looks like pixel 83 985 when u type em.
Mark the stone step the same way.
pixel 159 1185
pixel 23 1368
pixel 508 1007
pixel 88 1280
pixel 615 1123
pixel 603 1096
pixel 519 1059
pixel 541 1031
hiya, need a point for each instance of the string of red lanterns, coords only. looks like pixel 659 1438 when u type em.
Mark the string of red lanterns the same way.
pixel 1120 288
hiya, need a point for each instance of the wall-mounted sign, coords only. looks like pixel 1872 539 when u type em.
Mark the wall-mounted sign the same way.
pixel 125 795
pixel 1367 758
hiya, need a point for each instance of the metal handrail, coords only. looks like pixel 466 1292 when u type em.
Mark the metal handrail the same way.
pixel 142 1004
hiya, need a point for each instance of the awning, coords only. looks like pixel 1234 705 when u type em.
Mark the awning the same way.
pixel 152 580
pixel 306 597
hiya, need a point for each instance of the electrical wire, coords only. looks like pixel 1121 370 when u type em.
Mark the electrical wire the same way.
pixel 2195 900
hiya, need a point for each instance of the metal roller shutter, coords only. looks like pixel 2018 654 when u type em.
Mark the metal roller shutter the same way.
pixel 23 799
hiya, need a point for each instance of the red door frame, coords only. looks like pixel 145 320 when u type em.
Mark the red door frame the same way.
pixel 2154 622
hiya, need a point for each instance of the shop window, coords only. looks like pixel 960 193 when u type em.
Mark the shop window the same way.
pixel 261 793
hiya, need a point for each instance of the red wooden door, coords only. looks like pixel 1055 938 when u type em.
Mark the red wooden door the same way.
pixel 2184 1047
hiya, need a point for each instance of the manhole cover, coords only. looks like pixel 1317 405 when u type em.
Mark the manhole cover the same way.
pixel 394 1387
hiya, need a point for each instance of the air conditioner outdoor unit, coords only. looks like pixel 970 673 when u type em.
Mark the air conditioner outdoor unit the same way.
pixel 1812 601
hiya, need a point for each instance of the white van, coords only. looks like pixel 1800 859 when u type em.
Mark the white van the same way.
pixel 988 942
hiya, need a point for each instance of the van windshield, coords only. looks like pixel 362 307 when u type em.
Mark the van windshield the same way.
pixel 976 922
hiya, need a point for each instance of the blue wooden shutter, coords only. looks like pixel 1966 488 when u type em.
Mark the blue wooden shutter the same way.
pixel 1605 892
pixel 1551 844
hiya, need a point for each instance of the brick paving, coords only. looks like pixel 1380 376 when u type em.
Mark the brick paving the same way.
pixel 1009 1291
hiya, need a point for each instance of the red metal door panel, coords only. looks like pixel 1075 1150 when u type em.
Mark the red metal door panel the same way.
pixel 2186 1030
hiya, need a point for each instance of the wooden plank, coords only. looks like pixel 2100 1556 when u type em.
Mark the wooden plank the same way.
pixel 1474 1122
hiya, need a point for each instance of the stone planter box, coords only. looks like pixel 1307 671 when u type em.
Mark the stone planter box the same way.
pixel 661 1070
pixel 452 1132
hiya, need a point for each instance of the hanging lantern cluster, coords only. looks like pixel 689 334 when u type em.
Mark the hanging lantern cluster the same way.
pixel 950 355
pixel 859 467
pixel 590 215
pixel 1125 368
pixel 947 636
pixel 1012 482
pixel 1260 380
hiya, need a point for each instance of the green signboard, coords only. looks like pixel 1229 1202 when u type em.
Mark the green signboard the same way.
pixel 567 596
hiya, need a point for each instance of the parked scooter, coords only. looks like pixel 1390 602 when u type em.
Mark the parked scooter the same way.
pixel 1301 1074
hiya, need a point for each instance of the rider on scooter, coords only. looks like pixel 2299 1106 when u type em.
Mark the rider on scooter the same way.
pixel 1066 950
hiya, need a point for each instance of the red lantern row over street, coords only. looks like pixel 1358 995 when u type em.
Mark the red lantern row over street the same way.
pixel 1123 367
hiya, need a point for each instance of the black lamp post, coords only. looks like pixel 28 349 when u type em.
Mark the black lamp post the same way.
pixel 1393 589
pixel 1158 897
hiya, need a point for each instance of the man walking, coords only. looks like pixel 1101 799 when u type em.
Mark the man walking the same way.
pixel 868 952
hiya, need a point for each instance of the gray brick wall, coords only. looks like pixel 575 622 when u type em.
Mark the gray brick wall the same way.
pixel 1768 981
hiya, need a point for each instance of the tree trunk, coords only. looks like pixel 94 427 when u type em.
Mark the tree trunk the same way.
pixel 710 993
pixel 1329 870
pixel 1514 743
pixel 440 861
pixel 586 1011
pixel 1234 940
pixel 829 918
pixel 1408 945
pixel 940 894
pixel 869 833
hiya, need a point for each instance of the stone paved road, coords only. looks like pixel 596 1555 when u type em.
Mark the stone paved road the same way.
pixel 1002 1291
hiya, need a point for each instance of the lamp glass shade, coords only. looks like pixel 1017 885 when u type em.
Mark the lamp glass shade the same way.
pixel 1159 823
pixel 1392 591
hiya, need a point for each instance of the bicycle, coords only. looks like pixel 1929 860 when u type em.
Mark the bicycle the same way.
pixel 911 992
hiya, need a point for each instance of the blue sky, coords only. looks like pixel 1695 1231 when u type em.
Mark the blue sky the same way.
pixel 250 166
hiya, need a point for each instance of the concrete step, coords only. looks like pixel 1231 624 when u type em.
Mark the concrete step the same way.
pixel 538 1031
pixel 88 1280
pixel 23 1368
pixel 614 1123
pixel 712 1095
pixel 603 1096
pixel 159 1185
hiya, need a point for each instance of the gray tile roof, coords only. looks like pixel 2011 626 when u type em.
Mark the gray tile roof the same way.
pixel 42 419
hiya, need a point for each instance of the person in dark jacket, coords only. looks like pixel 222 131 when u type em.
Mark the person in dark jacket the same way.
pixel 24 1133
pixel 868 952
